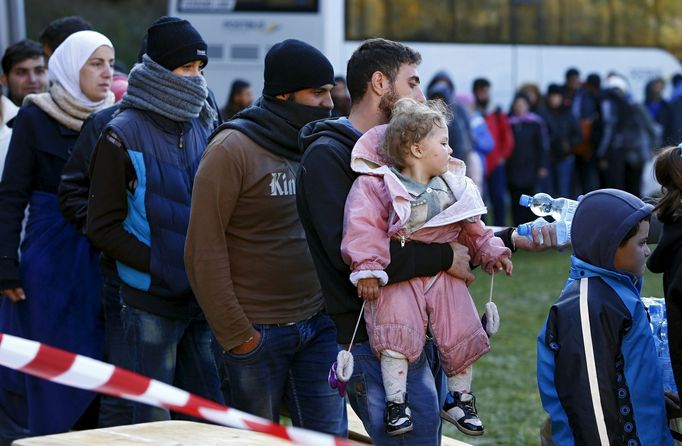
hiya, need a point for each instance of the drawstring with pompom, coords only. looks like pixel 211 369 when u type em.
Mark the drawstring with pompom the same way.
pixel 342 370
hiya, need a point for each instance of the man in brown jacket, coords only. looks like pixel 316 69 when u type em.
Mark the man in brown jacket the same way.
pixel 246 254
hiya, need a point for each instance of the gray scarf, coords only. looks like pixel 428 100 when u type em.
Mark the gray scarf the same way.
pixel 153 88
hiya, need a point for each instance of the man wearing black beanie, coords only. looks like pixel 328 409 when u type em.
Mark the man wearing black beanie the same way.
pixel 141 176
pixel 246 254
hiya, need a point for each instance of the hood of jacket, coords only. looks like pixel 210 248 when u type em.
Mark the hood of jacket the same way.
pixel 602 219
pixel 366 158
pixel 337 129
pixel 436 85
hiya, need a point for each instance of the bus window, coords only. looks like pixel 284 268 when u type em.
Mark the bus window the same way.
pixel 223 6
pixel 530 22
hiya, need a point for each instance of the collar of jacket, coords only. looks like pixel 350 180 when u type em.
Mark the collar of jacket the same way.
pixel 167 125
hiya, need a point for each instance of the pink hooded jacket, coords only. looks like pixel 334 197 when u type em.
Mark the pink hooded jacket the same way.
pixel 377 208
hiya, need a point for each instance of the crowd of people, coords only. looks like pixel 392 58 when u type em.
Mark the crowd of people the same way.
pixel 236 252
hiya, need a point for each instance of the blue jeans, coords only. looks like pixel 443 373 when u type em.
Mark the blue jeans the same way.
pixel 426 396
pixel 290 365
pixel 173 351
pixel 114 411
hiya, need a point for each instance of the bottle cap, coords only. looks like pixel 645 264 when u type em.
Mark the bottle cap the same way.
pixel 524 229
pixel 525 200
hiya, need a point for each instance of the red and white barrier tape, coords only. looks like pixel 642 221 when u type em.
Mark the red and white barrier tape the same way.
pixel 86 373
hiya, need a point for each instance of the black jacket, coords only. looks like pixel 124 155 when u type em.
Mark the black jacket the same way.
pixel 75 180
pixel 564 133
pixel 667 259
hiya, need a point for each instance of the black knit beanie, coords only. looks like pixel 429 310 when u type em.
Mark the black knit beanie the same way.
pixel 293 65
pixel 172 42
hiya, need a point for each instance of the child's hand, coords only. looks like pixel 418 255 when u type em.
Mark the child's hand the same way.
pixel 503 263
pixel 368 288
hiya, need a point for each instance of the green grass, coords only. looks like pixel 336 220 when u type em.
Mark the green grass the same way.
pixel 504 380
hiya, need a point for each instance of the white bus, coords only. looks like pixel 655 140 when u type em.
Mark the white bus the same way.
pixel 507 41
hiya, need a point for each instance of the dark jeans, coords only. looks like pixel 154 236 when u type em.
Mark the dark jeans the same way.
pixel 497 191
pixel 12 425
pixel 587 177
pixel 520 214
pixel 562 175
pixel 173 351
pixel 290 365
pixel 426 391
pixel 114 411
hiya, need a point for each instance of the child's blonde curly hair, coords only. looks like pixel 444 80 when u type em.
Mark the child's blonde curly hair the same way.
pixel 411 122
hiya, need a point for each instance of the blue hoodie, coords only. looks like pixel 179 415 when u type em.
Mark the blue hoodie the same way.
pixel 597 368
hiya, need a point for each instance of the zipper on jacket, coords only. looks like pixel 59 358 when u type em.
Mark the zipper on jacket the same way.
pixel 182 137
pixel 402 240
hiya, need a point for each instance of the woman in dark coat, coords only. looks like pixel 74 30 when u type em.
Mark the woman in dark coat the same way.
pixel 527 163
pixel 667 257
pixel 50 293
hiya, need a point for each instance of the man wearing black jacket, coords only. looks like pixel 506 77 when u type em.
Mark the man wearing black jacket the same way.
pixel 379 73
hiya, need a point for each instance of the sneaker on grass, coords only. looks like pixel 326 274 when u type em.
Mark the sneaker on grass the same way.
pixel 460 410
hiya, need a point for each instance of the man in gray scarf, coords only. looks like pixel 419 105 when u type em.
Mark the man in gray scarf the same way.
pixel 142 172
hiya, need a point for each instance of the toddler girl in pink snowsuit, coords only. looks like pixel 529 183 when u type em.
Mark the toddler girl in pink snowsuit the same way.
pixel 412 190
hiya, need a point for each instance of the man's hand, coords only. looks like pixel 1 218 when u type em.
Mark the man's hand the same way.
pixel 248 346
pixel 368 288
pixel 460 267
pixel 14 294
pixel 549 240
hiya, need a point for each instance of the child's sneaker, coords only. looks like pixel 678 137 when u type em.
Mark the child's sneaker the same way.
pixel 460 410
pixel 398 417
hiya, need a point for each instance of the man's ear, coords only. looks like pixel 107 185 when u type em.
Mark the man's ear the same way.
pixel 3 80
pixel 379 83
pixel 284 96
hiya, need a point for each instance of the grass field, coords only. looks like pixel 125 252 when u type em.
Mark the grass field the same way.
pixel 507 398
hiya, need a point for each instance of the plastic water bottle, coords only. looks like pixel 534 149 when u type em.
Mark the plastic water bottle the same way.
pixel 664 358
pixel 659 325
pixel 544 205
pixel 562 228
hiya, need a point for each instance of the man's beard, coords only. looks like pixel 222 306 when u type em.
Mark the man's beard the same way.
pixel 387 102
pixel 482 103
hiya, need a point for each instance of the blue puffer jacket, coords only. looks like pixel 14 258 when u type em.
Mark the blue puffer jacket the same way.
pixel 165 156
pixel 597 368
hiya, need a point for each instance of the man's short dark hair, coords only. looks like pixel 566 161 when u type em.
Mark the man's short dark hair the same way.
pixel 677 78
pixel 19 52
pixel 58 30
pixel 572 72
pixel 238 85
pixel 594 80
pixel 385 56
pixel 479 83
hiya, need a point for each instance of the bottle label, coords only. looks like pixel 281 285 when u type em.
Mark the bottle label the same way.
pixel 568 211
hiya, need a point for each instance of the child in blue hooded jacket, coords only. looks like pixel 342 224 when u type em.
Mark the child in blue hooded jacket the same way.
pixel 597 368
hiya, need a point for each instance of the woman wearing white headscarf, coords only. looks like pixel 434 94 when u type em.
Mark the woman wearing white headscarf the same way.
pixel 51 295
